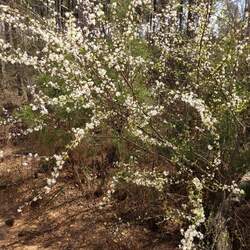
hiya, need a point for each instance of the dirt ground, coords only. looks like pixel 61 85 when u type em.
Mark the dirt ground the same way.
pixel 65 219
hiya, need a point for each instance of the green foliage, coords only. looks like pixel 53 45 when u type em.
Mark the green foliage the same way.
pixel 139 47
pixel 28 116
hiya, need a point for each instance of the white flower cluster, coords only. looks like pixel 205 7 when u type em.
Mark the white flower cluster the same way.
pixel 1 154
pixel 189 235
pixel 208 120
pixel 60 160
pixel 151 179
pixel 233 188
pixel 145 178
pixel 197 217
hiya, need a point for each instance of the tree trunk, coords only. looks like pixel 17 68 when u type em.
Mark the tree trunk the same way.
pixel 180 15
pixel 2 35
pixel 190 18
pixel 247 15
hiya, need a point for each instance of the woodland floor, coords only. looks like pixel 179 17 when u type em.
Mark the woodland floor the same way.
pixel 65 219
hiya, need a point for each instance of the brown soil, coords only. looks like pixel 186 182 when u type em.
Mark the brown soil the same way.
pixel 65 219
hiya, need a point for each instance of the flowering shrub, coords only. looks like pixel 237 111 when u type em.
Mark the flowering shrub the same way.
pixel 179 95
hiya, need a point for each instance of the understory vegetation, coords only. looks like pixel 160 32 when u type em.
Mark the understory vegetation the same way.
pixel 146 102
